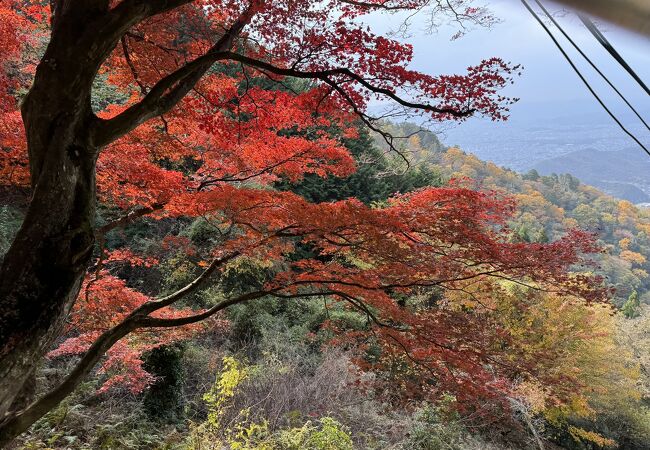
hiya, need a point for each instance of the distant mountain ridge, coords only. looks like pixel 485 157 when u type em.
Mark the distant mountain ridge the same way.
pixel 624 174
pixel 549 138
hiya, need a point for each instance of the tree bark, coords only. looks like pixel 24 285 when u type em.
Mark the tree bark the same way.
pixel 42 272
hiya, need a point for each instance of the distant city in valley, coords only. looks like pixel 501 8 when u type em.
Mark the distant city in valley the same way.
pixel 589 146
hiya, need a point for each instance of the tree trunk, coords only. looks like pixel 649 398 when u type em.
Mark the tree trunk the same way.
pixel 42 272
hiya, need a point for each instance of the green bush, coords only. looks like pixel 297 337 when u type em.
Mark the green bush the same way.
pixel 164 400
pixel 430 432
pixel 327 435
pixel 439 427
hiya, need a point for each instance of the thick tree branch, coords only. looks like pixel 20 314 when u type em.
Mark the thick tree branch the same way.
pixel 155 305
pixel 132 68
pixel 130 217
pixel 384 5
pixel 171 89
pixel 130 12
pixel 18 422
pixel 154 322
pixel 326 75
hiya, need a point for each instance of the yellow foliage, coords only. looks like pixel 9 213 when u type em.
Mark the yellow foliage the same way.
pixel 224 389
pixel 627 213
pixel 243 433
pixel 633 257
pixel 585 346
pixel 644 228
pixel 624 243
pixel 569 223
pixel 583 435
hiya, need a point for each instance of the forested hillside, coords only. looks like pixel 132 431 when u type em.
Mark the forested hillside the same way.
pixel 548 206
pixel 209 241
pixel 273 374
pixel 624 180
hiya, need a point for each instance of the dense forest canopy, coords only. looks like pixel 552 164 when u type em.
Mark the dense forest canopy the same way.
pixel 181 173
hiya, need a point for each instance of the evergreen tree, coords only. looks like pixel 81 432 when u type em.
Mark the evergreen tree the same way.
pixel 375 179
pixel 164 398
pixel 631 307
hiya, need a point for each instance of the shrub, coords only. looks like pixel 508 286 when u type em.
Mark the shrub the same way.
pixel 164 399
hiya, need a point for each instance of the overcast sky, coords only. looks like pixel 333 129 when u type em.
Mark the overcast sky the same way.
pixel 548 88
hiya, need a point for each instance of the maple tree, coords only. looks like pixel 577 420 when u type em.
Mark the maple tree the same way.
pixel 595 372
pixel 212 101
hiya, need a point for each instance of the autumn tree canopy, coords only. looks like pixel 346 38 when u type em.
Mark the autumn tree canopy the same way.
pixel 175 109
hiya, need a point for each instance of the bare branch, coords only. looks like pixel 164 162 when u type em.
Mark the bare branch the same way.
pixel 384 5
pixel 129 62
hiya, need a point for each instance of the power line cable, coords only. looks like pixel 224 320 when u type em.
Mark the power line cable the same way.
pixel 612 51
pixel 584 80
pixel 572 42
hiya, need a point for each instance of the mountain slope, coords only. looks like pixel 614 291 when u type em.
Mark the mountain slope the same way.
pixel 624 173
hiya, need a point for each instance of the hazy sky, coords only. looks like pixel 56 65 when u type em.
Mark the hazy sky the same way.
pixel 549 89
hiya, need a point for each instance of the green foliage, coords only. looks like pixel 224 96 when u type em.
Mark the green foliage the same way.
pixel 246 434
pixel 10 220
pixel 630 308
pixel 163 400
pixel 245 274
pixel 438 427
pixel 104 94
pixel 531 175
pixel 377 177
pixel 202 232
pixel 327 435
pixel 178 271
pixel 530 232
pixel 252 322
pixel 271 324
pixel 76 424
